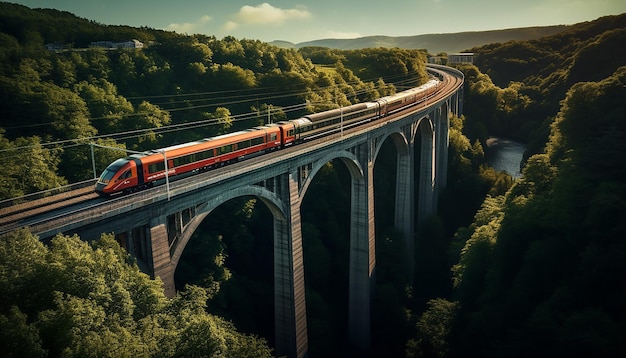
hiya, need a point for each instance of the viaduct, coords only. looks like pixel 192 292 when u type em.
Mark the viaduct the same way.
pixel 155 225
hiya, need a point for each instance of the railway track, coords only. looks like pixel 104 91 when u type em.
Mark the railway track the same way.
pixel 71 202
pixel 16 216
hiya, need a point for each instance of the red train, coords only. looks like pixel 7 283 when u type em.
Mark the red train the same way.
pixel 140 171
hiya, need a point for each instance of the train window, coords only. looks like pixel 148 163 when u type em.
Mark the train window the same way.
pixel 226 149
pixel 156 167
pixel 204 155
pixel 272 137
pixel 304 128
pixel 259 140
pixel 106 176
pixel 290 132
pixel 243 145
pixel 184 160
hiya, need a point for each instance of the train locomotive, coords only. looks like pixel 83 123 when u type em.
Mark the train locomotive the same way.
pixel 140 171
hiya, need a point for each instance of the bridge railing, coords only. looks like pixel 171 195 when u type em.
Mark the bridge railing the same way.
pixel 446 68
pixel 61 193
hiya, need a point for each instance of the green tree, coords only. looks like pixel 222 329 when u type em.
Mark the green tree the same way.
pixel 543 264
pixel 63 71
pixel 433 328
pixel 38 166
pixel 231 76
pixel 76 299
pixel 18 338
pixel 28 167
pixel 67 112
pixel 94 65
pixel 148 117
pixel 223 117
pixel 106 107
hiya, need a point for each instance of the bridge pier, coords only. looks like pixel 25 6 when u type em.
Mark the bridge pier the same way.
pixel 144 219
pixel 162 264
pixel 426 178
pixel 404 212
pixel 289 291
pixel 442 130
pixel 362 250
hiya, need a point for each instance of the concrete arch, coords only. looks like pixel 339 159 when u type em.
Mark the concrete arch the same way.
pixel 146 216
pixel 424 125
pixel 400 141
pixel 274 204
pixel 349 159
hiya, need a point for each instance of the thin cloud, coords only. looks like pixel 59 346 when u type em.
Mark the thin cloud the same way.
pixel 266 14
pixel 230 25
pixel 189 27
pixel 342 35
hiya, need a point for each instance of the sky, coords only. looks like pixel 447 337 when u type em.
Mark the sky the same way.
pixel 300 21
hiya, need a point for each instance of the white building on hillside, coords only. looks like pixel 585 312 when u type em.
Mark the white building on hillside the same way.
pixel 462 57
pixel 116 45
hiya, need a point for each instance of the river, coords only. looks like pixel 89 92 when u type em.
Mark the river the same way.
pixel 505 154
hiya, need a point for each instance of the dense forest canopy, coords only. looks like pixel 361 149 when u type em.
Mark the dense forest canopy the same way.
pixel 515 268
pixel 531 78
pixel 74 299
pixel 56 102
pixel 540 270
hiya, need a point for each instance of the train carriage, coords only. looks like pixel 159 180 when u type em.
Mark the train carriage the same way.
pixel 287 133
pixel 142 170
pixel 121 175
pixel 401 100
pixel 333 121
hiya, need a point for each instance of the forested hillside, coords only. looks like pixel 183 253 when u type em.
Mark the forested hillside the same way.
pixel 433 43
pixel 540 270
pixel 179 88
pixel 533 76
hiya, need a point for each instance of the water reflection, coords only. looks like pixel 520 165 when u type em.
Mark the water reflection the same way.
pixel 505 154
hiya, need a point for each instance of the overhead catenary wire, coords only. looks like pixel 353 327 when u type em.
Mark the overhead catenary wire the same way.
pixel 251 96
pixel 68 143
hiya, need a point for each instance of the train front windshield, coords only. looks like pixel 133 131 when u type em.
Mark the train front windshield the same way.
pixel 110 171
pixel 106 176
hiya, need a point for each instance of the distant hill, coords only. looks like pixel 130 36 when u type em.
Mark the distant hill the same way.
pixel 434 43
